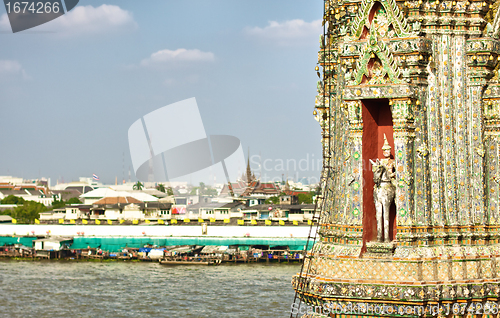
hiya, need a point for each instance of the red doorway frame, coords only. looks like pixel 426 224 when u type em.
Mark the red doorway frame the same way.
pixel 377 121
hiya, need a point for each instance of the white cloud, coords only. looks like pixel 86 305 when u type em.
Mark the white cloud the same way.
pixel 87 19
pixel 12 69
pixel 4 23
pixel 84 20
pixel 291 32
pixel 179 55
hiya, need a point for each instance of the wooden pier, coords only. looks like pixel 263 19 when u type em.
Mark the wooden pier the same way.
pixel 188 256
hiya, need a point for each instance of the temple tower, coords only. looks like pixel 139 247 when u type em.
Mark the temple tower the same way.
pixel 422 73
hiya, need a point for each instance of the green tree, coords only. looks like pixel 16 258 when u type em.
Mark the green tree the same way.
pixel 74 201
pixel 207 190
pixel 58 204
pixel 6 212
pixel 61 204
pixel 160 187
pixel 138 186
pixel 170 191
pixel 193 191
pixel 28 212
pixel 203 189
pixel 12 199
pixel 273 200
pixel 210 191
pixel 306 198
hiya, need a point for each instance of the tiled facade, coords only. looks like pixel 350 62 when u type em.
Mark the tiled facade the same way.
pixel 434 64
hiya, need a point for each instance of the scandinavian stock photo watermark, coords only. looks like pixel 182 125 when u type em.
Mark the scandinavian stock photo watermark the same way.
pixel 462 308
pixel 171 144
pixel 27 14
pixel 306 169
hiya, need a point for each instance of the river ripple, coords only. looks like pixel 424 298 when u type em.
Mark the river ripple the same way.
pixel 136 289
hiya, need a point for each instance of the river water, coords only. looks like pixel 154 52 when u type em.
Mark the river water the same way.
pixel 137 289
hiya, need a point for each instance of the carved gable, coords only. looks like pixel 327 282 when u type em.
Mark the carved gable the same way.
pixel 377 65
pixel 385 16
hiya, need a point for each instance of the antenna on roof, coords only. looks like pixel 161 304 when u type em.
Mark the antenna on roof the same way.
pixel 123 167
pixel 260 166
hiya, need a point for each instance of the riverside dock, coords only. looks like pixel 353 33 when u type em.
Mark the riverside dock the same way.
pixel 240 244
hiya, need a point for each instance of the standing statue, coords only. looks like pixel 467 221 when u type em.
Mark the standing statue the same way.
pixel 384 189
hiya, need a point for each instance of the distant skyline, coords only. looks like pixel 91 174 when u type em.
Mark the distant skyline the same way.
pixel 71 88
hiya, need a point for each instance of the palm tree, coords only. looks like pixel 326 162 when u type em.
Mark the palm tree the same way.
pixel 170 191
pixel 160 187
pixel 138 186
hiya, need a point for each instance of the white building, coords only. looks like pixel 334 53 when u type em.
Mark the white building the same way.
pixel 218 211
pixel 53 215
pixel 28 193
pixel 52 243
pixel 98 194
pixel 129 208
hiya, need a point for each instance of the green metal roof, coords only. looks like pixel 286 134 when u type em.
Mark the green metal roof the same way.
pixel 9 240
pixel 116 244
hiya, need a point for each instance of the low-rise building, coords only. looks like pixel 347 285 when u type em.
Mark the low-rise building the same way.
pixel 288 212
pixel 129 208
pixel 55 243
pixel 28 192
pixel 253 189
pixel 77 211
pixel 111 208
pixel 53 215
pixel 67 194
pixel 98 194
pixel 215 210
pixel 52 247
pixel 157 210
pixel 5 219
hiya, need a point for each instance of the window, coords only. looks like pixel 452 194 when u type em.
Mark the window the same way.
pixel 180 200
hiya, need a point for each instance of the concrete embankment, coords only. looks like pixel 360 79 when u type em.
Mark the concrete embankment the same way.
pixel 118 236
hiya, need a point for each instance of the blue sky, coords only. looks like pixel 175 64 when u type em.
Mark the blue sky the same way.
pixel 71 88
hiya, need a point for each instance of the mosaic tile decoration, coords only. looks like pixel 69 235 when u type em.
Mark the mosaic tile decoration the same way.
pixel 435 62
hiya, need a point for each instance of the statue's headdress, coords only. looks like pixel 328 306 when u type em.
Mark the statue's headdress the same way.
pixel 386 145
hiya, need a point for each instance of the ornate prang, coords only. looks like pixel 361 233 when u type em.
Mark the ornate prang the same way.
pixel 424 73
